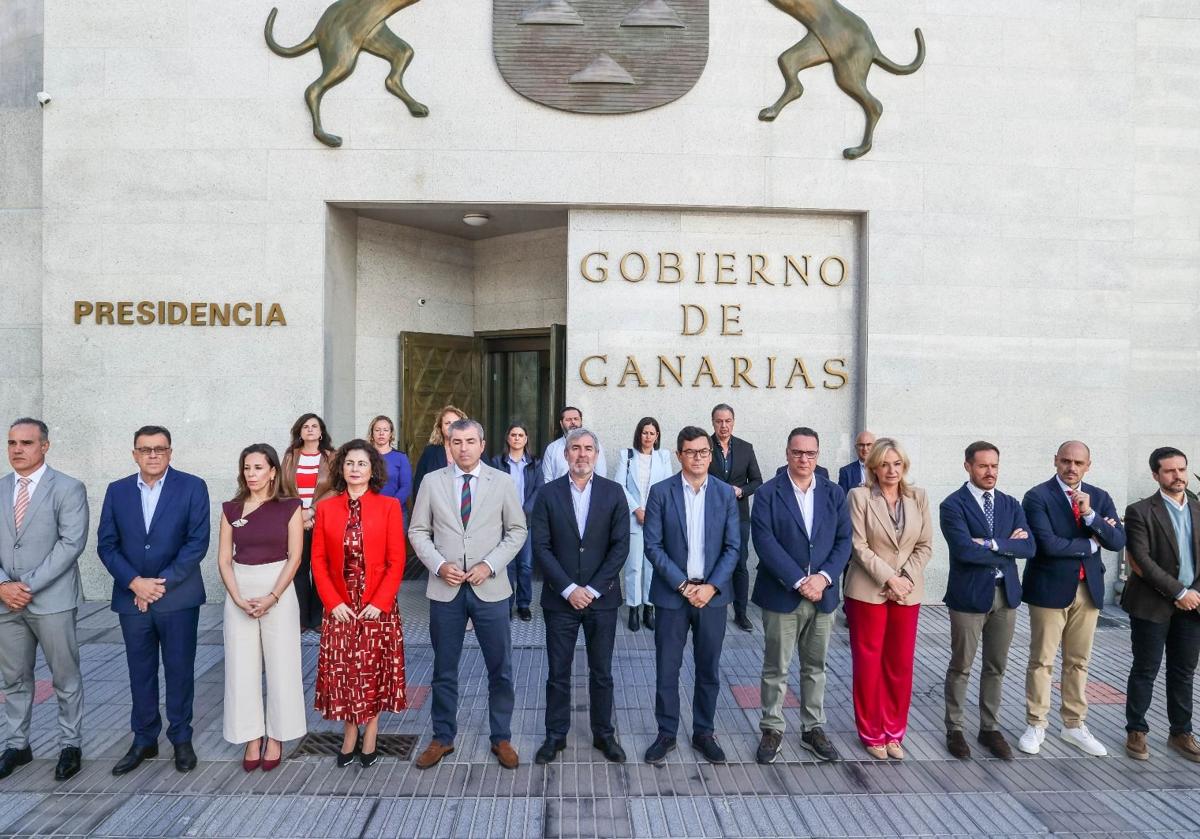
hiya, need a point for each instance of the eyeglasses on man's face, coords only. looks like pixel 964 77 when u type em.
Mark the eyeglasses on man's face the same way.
pixel 695 454
pixel 152 451
pixel 803 454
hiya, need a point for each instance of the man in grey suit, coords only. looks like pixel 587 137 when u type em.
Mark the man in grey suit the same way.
pixel 467 525
pixel 43 530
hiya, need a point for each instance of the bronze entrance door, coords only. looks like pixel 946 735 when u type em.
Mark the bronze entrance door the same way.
pixel 436 370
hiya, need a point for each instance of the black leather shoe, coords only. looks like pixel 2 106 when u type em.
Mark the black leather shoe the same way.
pixel 610 748
pixel 549 751
pixel 956 744
pixel 656 755
pixel 185 757
pixel 70 761
pixel 368 760
pixel 709 748
pixel 743 623
pixel 524 613
pixel 648 617
pixel 817 743
pixel 344 760
pixel 635 619
pixel 134 757
pixel 13 758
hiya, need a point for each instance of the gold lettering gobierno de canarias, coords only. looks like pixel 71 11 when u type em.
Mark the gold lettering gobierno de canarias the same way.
pixel 178 313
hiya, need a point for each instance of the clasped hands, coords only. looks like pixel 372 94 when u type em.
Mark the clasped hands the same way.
pixel 147 590
pixel 344 614
pixel 1189 601
pixel 698 594
pixel 453 575
pixel 898 588
pixel 15 595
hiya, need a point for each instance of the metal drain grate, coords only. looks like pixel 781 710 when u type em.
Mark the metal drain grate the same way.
pixel 326 743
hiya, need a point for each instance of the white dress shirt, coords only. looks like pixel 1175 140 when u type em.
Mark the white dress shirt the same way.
pixel 150 496
pixel 693 508
pixel 806 499
pixel 33 482
pixel 581 502
pixel 1088 519
pixel 458 484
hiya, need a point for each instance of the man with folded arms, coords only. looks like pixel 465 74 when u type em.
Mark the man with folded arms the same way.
pixel 1064 587
pixel 986 532
pixel 801 530
pixel 692 541
pixel 1161 597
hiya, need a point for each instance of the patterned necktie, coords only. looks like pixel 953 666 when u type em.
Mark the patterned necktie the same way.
pixel 464 504
pixel 989 512
pixel 22 501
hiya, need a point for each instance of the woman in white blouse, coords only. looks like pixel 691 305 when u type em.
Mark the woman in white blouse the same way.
pixel 638 469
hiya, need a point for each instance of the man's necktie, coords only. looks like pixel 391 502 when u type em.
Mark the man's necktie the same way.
pixel 989 512
pixel 464 504
pixel 22 501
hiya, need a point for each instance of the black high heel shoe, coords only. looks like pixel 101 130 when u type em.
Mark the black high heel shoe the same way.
pixel 344 759
pixel 368 760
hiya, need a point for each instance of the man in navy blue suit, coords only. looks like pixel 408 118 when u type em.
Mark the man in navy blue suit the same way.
pixel 985 531
pixel 1064 587
pixel 580 534
pixel 154 529
pixel 692 537
pixel 801 530
pixel 854 474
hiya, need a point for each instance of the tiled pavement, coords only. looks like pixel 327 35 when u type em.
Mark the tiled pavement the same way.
pixel 1060 792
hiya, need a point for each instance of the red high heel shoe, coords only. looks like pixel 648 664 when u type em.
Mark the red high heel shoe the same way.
pixel 250 765
pixel 268 765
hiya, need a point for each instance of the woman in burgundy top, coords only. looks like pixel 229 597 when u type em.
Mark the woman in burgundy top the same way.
pixel 258 554
pixel 358 564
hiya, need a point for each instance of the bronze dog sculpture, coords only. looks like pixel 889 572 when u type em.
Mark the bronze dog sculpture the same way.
pixel 837 35
pixel 345 29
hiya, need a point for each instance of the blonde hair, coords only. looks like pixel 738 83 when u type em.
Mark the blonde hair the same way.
pixel 435 436
pixel 875 459
pixel 375 422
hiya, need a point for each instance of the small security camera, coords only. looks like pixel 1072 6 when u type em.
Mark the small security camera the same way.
pixel 420 301
pixel 43 98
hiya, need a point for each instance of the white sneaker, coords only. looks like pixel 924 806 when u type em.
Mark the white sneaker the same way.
pixel 1083 740
pixel 1031 740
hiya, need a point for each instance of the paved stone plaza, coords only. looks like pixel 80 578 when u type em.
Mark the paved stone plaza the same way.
pixel 929 794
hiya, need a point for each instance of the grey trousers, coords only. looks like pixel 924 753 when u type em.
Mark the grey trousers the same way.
pixel 20 635
pixel 995 629
pixel 805 630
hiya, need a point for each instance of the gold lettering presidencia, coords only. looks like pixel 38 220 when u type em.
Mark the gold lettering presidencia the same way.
pixel 177 313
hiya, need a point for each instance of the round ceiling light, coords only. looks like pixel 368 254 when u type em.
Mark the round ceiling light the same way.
pixel 476 219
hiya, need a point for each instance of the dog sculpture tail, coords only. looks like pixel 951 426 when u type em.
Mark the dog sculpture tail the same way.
pixel 287 52
pixel 903 69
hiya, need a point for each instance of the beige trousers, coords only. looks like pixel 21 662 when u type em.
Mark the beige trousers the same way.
pixel 1072 628
pixel 272 643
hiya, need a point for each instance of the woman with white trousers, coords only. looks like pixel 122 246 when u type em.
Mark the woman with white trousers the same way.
pixel 639 468
pixel 261 542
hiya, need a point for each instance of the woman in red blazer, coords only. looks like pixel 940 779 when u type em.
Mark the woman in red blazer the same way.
pixel 357 565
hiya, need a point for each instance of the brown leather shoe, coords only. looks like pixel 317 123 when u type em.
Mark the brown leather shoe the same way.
pixel 433 753
pixel 1135 745
pixel 956 744
pixel 995 743
pixel 506 755
pixel 1186 745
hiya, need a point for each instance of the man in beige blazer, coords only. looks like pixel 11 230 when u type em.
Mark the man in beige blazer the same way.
pixel 466 526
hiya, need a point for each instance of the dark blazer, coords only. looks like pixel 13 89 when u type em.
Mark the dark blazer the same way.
pixel 971 585
pixel 383 550
pixel 432 459
pixel 743 470
pixel 850 476
pixel 787 551
pixel 533 476
pixel 1052 575
pixel 595 557
pixel 1151 590
pixel 173 549
pixel 664 534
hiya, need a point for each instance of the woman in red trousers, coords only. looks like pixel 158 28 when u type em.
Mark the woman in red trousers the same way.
pixel 885 582
pixel 358 564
